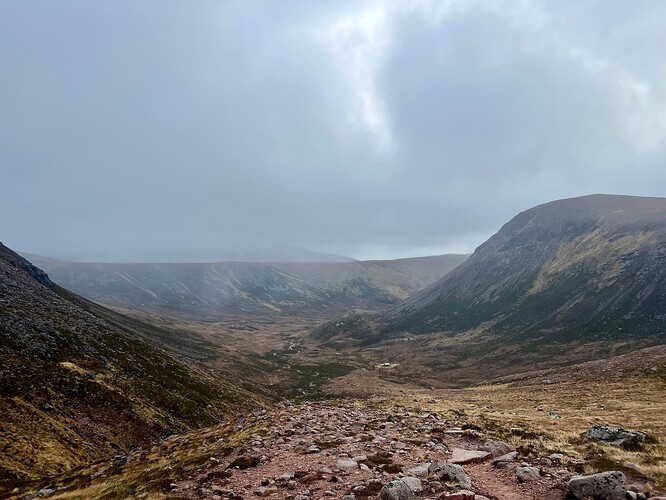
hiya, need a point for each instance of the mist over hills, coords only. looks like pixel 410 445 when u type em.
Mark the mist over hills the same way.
pixel 202 291
pixel 193 255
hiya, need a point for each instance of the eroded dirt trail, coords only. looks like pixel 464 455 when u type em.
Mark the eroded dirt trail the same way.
pixel 352 450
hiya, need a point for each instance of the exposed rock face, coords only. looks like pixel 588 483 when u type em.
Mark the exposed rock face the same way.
pixel 396 490
pixel 605 485
pixel 615 436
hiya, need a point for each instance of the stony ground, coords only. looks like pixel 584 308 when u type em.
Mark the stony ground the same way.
pixel 322 450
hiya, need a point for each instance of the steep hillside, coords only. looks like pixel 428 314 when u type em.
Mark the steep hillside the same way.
pixel 588 268
pixel 199 291
pixel 385 281
pixel 79 383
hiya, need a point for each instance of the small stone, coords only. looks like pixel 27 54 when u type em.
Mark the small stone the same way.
pixel 459 495
pixel 346 464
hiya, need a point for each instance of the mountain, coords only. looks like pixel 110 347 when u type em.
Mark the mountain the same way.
pixel 198 291
pixel 588 268
pixel 212 291
pixel 384 281
pixel 80 383
pixel 565 282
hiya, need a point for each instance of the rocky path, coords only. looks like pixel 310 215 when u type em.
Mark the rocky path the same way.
pixel 314 451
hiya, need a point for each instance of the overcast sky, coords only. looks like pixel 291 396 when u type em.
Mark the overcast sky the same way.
pixel 369 129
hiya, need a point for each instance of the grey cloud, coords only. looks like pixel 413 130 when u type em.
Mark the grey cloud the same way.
pixel 369 129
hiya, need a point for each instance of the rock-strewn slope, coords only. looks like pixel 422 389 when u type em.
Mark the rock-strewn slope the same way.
pixel 76 386
pixel 350 451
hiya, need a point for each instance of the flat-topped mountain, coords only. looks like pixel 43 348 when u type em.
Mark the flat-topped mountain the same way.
pixel 80 383
pixel 210 291
pixel 194 290
pixel 584 268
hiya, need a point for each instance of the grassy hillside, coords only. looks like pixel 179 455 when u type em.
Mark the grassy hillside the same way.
pixel 79 383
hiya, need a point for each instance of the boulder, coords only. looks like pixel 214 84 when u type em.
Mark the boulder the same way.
pixel 420 470
pixel 451 473
pixel 509 457
pixel 607 485
pixel 496 448
pixel 460 456
pixel 396 490
pixel 414 483
pixel 615 436
pixel 527 474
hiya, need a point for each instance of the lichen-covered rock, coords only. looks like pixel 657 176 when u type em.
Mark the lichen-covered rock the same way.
pixel 606 485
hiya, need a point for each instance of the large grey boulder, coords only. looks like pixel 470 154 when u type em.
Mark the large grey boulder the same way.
pixel 396 490
pixel 615 436
pixel 603 486
pixel 451 473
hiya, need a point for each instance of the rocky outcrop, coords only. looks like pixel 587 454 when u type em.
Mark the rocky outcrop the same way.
pixel 615 436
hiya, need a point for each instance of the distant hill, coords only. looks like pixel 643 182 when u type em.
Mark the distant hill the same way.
pixel 385 281
pixel 209 291
pixel 80 383
pixel 193 255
